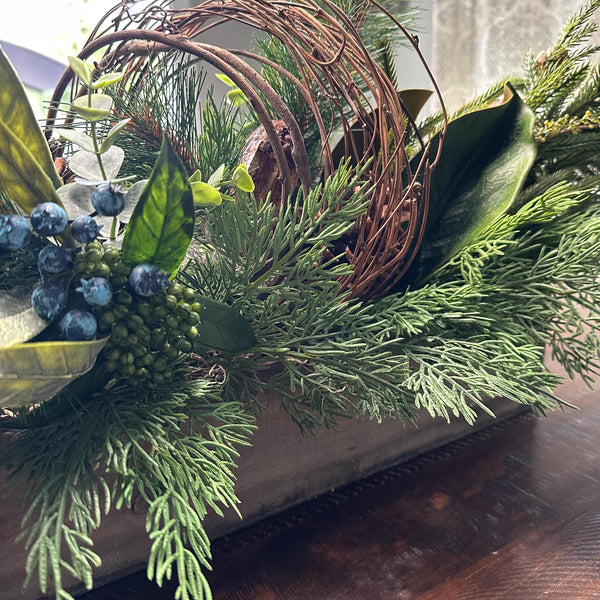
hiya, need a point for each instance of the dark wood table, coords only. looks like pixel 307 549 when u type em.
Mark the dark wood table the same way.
pixel 508 513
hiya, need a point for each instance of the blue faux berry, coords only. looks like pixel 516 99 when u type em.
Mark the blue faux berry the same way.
pixel 147 280
pixel 108 199
pixel 48 301
pixel 78 325
pixel 15 232
pixel 85 229
pixel 48 218
pixel 54 259
pixel 97 291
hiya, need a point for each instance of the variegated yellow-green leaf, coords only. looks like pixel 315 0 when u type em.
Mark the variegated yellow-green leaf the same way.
pixel 17 114
pixel 237 97
pixel 93 108
pixel 161 226
pixel 21 177
pixel 33 372
pixel 226 80
pixel 242 179
pixel 205 195
pixel 18 320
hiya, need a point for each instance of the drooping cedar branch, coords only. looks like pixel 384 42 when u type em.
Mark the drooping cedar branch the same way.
pixel 345 89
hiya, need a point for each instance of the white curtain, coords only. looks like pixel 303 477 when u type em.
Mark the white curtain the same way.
pixel 475 43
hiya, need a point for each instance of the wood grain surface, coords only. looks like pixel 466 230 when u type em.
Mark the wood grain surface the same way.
pixel 511 512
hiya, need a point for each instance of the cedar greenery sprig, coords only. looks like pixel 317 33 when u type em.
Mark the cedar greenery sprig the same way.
pixel 109 437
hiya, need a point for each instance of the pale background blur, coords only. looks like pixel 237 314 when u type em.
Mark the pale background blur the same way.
pixel 469 44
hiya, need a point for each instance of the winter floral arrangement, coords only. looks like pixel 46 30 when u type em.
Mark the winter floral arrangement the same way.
pixel 167 257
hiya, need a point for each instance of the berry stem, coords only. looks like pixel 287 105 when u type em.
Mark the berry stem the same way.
pixel 113 229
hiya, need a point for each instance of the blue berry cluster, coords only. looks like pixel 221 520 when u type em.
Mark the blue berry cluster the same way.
pixel 88 291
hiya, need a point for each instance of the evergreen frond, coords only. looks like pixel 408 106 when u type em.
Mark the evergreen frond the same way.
pixel 554 78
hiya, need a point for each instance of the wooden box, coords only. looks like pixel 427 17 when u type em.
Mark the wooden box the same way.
pixel 281 468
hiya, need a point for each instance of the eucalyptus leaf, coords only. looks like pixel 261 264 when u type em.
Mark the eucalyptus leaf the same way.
pixel 223 328
pixel 132 197
pixel 32 373
pixel 21 176
pixel 18 320
pixel 17 114
pixel 161 226
pixel 107 79
pixel 81 69
pixel 93 108
pixel 205 194
pixel 486 156
pixel 85 142
pixel 85 164
pixel 77 199
pixel 113 134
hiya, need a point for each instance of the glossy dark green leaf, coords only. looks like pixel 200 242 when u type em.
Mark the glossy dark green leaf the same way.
pixel 33 372
pixel 223 328
pixel 486 156
pixel 18 320
pixel 17 114
pixel 161 226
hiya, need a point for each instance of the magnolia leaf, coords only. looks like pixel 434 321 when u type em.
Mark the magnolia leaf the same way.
pixel 106 80
pixel 413 101
pixel 32 373
pixel 81 69
pixel 21 177
pixel 223 328
pixel 18 320
pixel 93 108
pixel 85 164
pixel 17 114
pixel 205 194
pixel 113 134
pixel 486 156
pixel 161 226
pixel 85 142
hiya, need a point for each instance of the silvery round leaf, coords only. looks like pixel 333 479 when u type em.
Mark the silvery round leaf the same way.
pixel 85 164
pixel 131 199
pixel 76 198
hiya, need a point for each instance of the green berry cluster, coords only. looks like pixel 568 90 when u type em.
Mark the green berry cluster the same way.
pixel 148 335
